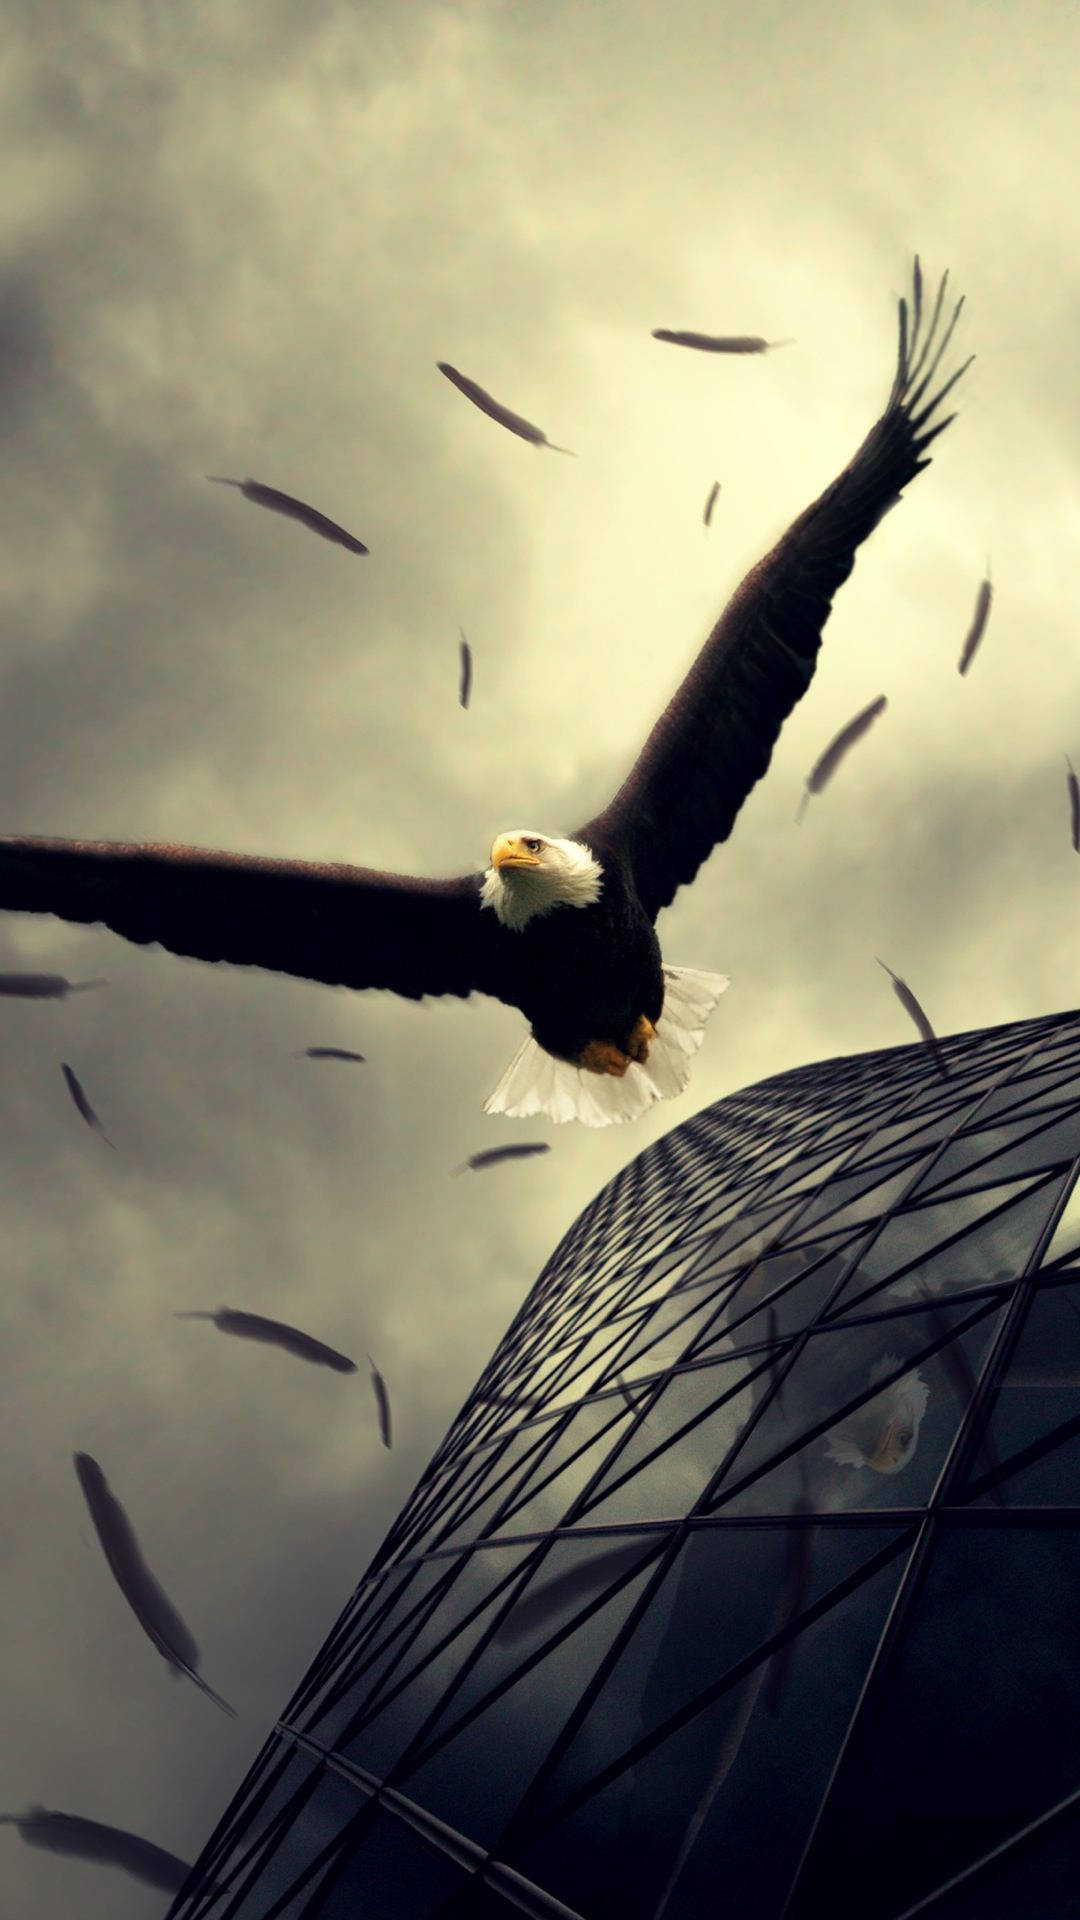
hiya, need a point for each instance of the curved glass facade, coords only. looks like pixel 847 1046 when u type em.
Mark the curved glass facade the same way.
pixel 746 1579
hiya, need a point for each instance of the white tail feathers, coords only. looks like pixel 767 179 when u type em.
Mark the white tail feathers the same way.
pixel 535 1082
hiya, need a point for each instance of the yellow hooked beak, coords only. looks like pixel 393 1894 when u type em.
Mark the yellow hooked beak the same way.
pixel 510 851
pixel 891 1447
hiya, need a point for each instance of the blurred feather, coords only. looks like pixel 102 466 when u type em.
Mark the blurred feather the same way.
pixel 332 1053
pixel 154 1612
pixel 382 1399
pixel 92 1840
pixel 275 1333
pixel 83 1104
pixel 711 502
pixel 913 1009
pixel 978 624
pixel 512 421
pixel 293 510
pixel 466 671
pixel 1074 804
pixel 719 342
pixel 823 768
pixel 44 986
pixel 520 1151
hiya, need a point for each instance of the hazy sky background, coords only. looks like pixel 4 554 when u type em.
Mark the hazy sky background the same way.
pixel 236 239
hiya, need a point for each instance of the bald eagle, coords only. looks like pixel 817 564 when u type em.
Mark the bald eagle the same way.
pixel 561 928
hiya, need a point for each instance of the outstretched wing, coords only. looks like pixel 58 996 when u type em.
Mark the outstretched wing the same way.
pixel 715 740
pixel 347 926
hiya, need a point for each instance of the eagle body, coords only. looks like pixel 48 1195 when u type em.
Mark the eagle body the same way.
pixel 563 930
pixel 590 974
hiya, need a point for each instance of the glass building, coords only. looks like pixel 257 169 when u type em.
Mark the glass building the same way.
pixel 747 1581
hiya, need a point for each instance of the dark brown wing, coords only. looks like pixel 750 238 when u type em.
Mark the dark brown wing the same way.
pixel 347 926
pixel 715 740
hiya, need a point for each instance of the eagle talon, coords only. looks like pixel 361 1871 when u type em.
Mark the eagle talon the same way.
pixel 638 1046
pixel 600 1056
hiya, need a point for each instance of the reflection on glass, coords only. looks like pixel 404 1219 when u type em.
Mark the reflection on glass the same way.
pixel 884 1432
pixel 476 1778
pixel 829 1437
pixel 656 1475
pixel 684 1822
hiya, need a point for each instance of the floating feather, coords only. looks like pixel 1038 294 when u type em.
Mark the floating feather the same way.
pixel 512 421
pixel 1074 804
pixel 382 1400
pixel 92 1840
pixel 978 624
pixel 332 1053
pixel 154 1612
pixel 719 342
pixel 711 502
pixel 44 986
pixel 466 671
pixel 275 1333
pixel 912 1008
pixel 293 510
pixel 83 1104
pixel 823 769
pixel 520 1151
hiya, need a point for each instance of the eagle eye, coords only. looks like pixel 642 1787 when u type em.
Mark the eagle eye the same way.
pixel 532 846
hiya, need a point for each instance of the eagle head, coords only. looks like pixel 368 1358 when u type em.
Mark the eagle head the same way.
pixel 530 873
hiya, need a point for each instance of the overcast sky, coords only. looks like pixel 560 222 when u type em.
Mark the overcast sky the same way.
pixel 236 239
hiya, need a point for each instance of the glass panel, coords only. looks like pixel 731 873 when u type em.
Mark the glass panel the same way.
pixel 527 1449
pixel 478 1901
pixel 1038 1396
pixel 394 1869
pixel 748 1236
pixel 1066 1235
pixel 1049 1478
pixel 689 1814
pixel 886 1452
pixel 861 1196
pixel 465 1613
pixel 357 1679
pixel 315 1825
pixel 568 1375
pixel 1036 1876
pixel 476 1779
pixel 1055 1086
pixel 972 1732
pixel 571 1576
pixel 577 1454
pixel 964 1152
pixel 803 1297
pixel 917 1231
pixel 997 1248
pixel 668 1334
pixel 656 1477
pixel 1047 1146
pixel 656 1283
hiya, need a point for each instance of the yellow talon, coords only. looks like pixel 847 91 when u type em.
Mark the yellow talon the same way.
pixel 643 1031
pixel 600 1056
